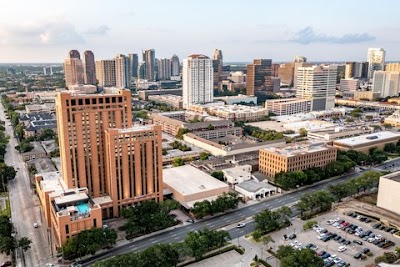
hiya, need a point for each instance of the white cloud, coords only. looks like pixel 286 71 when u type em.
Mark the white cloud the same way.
pixel 101 30
pixel 52 32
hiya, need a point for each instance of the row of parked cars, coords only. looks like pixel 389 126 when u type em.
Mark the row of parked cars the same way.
pixel 371 237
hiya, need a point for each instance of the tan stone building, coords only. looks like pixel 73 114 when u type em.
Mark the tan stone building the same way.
pixel 295 157
pixel 388 193
pixel 107 163
pixel 133 165
pixel 288 106
pixel 66 211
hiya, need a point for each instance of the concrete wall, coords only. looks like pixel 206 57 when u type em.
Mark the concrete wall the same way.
pixel 388 194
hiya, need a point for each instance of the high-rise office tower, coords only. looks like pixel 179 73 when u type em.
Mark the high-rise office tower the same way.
pixel 197 80
pixel 350 69
pixel 100 150
pixel 122 72
pixel 258 79
pixel 317 83
pixel 134 165
pixel 89 68
pixel 285 72
pixel 74 54
pixel 142 70
pixel 48 70
pixel 164 69
pixel 149 57
pixel 73 69
pixel 175 66
pixel 386 83
pixel 134 63
pixel 217 66
pixel 299 61
pixel 275 70
pixel 105 72
pixel 376 60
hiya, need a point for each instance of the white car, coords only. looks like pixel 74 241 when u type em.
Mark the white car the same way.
pixel 315 227
pixel 337 259
pixel 240 225
pixel 335 224
pixel 35 225
pixel 330 222
pixel 378 237
pixel 341 248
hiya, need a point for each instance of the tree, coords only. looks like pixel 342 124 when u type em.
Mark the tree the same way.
pixel 267 239
pixel 390 147
pixel 181 132
pixel 142 115
pixel 19 131
pixel 205 240
pixel 46 134
pixel 204 155
pixel 292 258
pixel 147 217
pixel 268 221
pixel 178 162
pixel 218 175
pixel 303 132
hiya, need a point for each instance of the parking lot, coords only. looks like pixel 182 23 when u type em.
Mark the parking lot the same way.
pixel 336 233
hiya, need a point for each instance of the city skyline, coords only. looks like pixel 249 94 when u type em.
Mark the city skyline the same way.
pixel 320 31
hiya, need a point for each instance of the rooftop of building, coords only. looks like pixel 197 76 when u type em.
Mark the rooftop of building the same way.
pixel 37 148
pixel 135 128
pixel 235 97
pixel 37 116
pixel 395 176
pixel 189 180
pixel 290 150
pixel 52 182
pixel 238 171
pixel 235 108
pixel 205 124
pixel 167 96
pixel 367 138
pixel 254 186
pixel 198 56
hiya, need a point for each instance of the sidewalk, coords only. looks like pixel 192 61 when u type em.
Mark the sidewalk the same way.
pixel 252 249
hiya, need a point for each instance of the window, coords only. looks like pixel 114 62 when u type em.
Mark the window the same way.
pixel 67 229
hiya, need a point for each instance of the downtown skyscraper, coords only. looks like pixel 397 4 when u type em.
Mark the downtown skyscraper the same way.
pixel 259 79
pixel 175 66
pixel 149 57
pixel 197 80
pixel 122 71
pixel 73 69
pixel 376 60
pixel 89 68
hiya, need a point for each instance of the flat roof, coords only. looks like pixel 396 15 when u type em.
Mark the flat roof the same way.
pixel 367 138
pixel 71 197
pixel 188 180
pixel 289 150
pixel 395 176
pixel 254 186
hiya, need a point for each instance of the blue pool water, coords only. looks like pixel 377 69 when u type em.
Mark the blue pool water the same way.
pixel 83 208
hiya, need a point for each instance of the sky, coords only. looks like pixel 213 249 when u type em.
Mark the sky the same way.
pixel 45 30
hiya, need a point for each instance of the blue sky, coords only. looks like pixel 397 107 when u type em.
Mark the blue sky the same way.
pixel 44 30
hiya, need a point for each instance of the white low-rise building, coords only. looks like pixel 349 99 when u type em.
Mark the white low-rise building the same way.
pixel 255 190
pixel 237 174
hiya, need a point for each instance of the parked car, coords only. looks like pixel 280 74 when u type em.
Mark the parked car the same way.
pixel 292 236
pixel 190 221
pixel 365 250
pixel 357 255
pixel 35 225
pixel 358 242
pixel 342 248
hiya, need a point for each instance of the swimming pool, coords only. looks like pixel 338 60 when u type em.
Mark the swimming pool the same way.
pixel 82 208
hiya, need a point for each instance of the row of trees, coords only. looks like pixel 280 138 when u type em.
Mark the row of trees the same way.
pixel 180 146
pixel 290 180
pixel 268 221
pixel 224 202
pixel 8 241
pixel 344 162
pixel 148 216
pixel 388 257
pixel 88 242
pixel 265 135
pixel 196 244
pixel 322 200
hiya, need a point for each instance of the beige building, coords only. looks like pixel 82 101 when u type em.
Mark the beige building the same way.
pixel 133 165
pixel 364 143
pixel 237 112
pixel 395 66
pixel 366 95
pixel 190 185
pixel 288 106
pixel 170 100
pixel 393 119
pixel 295 157
pixel 388 193
pixel 106 73
pixel 66 211
pixel 73 70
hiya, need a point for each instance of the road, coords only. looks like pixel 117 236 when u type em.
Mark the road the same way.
pixel 178 234
pixel 25 208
